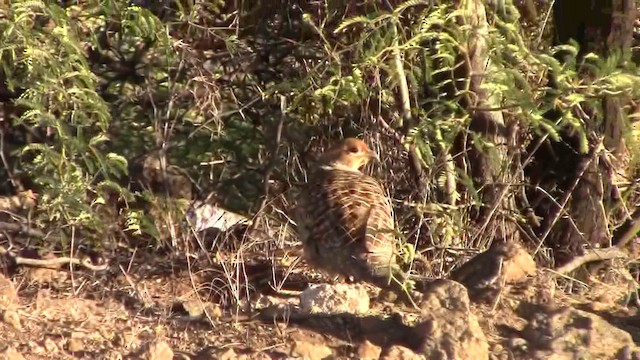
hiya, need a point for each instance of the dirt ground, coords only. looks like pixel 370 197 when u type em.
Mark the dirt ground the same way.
pixel 147 307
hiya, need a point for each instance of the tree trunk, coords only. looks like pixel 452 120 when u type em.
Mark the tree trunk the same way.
pixel 485 163
pixel 579 219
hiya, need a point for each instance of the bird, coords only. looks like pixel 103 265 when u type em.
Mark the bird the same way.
pixel 345 219
pixel 486 274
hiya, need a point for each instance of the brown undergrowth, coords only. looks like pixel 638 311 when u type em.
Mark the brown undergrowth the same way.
pixel 207 306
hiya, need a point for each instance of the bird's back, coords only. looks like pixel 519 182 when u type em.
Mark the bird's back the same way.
pixel 345 221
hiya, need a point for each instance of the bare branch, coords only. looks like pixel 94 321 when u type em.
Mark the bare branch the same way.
pixel 53 263
pixel 591 256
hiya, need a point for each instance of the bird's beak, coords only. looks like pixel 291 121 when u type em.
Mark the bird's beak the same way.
pixel 372 155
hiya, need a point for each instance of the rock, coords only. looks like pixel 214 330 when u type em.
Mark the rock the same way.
pixel 228 354
pixel 368 350
pixel 8 294
pixel 11 354
pixel 159 350
pixel 310 351
pixel 9 303
pixel 518 264
pixel 397 352
pixel 35 348
pixel 335 299
pixel 75 345
pixel 565 332
pixel 11 318
pixel 448 329
pixel 486 273
pixel 50 345
pixel 195 310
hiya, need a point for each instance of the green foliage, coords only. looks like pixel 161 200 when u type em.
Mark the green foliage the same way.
pixel 206 83
pixel 42 54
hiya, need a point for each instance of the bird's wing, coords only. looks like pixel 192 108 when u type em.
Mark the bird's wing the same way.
pixel 359 208
pixel 334 209
pixel 379 237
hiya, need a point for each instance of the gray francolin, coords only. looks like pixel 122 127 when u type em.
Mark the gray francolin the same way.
pixel 345 219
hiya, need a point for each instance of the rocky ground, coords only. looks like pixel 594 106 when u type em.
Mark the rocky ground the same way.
pixel 147 307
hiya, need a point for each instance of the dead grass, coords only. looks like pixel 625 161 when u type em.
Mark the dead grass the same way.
pixel 141 298
pixel 200 295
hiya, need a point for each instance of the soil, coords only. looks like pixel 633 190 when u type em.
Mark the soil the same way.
pixel 147 306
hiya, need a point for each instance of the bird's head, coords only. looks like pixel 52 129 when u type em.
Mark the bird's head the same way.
pixel 351 154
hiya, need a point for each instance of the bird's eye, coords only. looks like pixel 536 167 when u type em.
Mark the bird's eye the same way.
pixel 353 149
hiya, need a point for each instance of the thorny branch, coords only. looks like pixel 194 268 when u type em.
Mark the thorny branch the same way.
pixel 273 161
pixel 628 230
pixel 52 263
pixel 46 263
pixel 591 256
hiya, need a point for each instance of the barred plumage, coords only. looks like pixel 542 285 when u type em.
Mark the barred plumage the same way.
pixel 345 218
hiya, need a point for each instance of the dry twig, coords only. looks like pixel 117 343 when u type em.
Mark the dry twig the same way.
pixel 53 263
pixel 591 256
